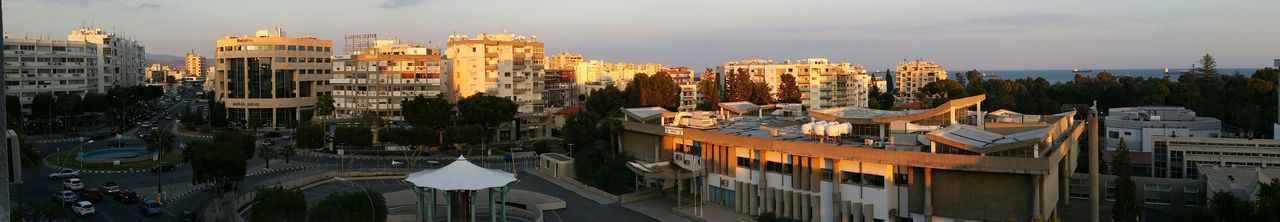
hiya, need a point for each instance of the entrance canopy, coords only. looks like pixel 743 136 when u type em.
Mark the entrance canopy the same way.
pixel 461 175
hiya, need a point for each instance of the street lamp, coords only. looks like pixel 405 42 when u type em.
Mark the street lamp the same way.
pixel 372 209
pixel 78 148
pixel 570 150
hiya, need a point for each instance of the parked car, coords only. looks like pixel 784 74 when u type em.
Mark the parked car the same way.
pixel 397 163
pixel 110 187
pixel 65 196
pixel 150 208
pixel 91 194
pixel 164 167
pixel 83 208
pixel 127 196
pixel 64 174
pixel 72 184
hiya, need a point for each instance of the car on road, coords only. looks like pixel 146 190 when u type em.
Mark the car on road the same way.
pixel 72 184
pixel 127 196
pixel 164 167
pixel 64 174
pixel 397 163
pixel 65 196
pixel 83 208
pixel 110 187
pixel 268 142
pixel 150 208
pixel 188 216
pixel 91 194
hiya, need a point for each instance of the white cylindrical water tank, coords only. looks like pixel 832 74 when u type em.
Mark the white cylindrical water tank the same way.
pixel 820 129
pixel 807 129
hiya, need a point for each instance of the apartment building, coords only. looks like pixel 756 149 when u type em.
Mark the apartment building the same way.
pixel 560 88
pixel 598 71
pixel 858 164
pixel 195 64
pixel 913 75
pixel 58 67
pixel 503 65
pixel 271 77
pixel 157 73
pixel 121 58
pixel 563 61
pixel 378 79
pixel 822 84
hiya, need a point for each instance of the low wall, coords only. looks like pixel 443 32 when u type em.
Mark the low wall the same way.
pixel 639 196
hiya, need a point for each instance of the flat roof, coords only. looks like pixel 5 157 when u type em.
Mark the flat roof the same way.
pixel 645 113
pixel 740 107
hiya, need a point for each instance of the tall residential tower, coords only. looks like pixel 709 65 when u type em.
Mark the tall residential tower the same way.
pixel 503 65
pixel 379 78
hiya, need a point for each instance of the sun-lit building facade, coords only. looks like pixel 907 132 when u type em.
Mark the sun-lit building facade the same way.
pixel 270 77
pixel 912 75
pixel 503 65
pixel 377 80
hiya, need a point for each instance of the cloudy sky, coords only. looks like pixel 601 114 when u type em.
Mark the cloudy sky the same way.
pixel 982 34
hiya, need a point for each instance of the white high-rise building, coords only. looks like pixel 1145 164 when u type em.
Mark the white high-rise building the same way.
pixel 379 78
pixel 822 84
pixel 58 67
pixel 503 65
pixel 121 58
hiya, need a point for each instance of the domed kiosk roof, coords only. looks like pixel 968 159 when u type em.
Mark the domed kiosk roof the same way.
pixel 460 175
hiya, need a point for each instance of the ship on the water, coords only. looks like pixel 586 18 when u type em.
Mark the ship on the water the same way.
pixel 1078 70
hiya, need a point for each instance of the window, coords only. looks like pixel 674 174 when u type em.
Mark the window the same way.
pixel 745 162
pixel 1113 135
pixel 1128 133
pixel 827 175
pixel 850 178
pixel 293 48
pixel 872 180
pixel 279 47
pixel 1190 189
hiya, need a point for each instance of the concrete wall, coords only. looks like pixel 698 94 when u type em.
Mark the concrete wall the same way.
pixel 982 196
pixel 644 147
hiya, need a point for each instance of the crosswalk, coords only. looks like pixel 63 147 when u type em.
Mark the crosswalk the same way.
pixel 61 140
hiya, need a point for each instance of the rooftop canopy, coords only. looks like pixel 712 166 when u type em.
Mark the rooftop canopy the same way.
pixel 461 175
pixel 645 114
pixel 860 115
pixel 740 107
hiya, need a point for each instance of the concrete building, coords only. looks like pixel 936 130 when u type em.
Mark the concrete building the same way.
pixel 378 79
pixel 272 77
pixel 1180 157
pixel 619 73
pixel 1243 182
pixel 913 75
pixel 157 73
pixel 195 64
pixel 858 164
pixel 688 96
pixel 14 148
pixel 58 67
pixel 1137 125
pixel 121 58
pixel 503 65
pixel 819 80
pixel 563 61
pixel 561 89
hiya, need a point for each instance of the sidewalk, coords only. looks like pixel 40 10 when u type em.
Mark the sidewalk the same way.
pixel 660 208
pixel 573 188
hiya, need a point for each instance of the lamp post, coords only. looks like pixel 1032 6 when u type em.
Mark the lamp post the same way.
pixel 570 150
pixel 79 148
pixel 372 209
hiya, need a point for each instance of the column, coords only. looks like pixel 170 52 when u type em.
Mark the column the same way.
pixel 1037 198
pixel 928 194
pixel 1094 181
pixel 753 199
pixel 766 204
pixel 417 192
pixel 493 213
pixel 891 191
pixel 842 211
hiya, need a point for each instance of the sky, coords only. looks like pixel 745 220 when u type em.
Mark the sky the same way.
pixel 959 35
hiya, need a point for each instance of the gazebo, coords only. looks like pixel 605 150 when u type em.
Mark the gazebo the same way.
pixel 461 181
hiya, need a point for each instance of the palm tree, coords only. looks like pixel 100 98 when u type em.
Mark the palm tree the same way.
pixel 288 151
pixel 266 153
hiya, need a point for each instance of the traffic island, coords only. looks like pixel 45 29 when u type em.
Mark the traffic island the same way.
pixel 69 160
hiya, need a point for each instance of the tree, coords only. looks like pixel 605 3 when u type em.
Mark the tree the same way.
pixel 266 153
pixel 738 86
pixel 1126 206
pixel 580 129
pixel 245 143
pixel 216 162
pixel 941 91
pixel 30 155
pixel 635 90
pixel 661 91
pixel 279 204
pixel 217 113
pixel 52 211
pixel 760 93
pixel 365 205
pixel 435 112
pixel 287 151
pixel 606 100
pixel 1208 66
pixel 42 106
pixel 309 136
pixel 1269 201
pixel 161 140
pixel 324 105
pixel 1224 206
pixel 96 102
pixel 356 136
pixel 788 91
pixel 69 105
pixel 487 111
pixel 253 123
pixel 709 87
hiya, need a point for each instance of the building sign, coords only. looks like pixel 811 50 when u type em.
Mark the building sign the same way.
pixel 675 130
pixel 244 40
pixel 244 104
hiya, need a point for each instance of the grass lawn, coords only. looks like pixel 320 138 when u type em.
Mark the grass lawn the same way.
pixel 68 159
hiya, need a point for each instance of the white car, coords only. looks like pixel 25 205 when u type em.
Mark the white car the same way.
pixel 397 163
pixel 83 208
pixel 64 174
pixel 73 184
pixel 65 196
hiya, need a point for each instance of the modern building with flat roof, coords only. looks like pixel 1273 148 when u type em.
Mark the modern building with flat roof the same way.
pixel 913 75
pixel 272 77
pixel 1137 125
pixel 1243 182
pixel 858 164
pixel 121 57
pixel 1180 157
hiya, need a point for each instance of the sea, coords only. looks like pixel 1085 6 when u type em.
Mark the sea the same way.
pixel 1065 75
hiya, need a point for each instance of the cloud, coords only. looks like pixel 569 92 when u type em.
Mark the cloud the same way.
pixel 73 2
pixel 399 3
pixel 148 5
pixel 1008 23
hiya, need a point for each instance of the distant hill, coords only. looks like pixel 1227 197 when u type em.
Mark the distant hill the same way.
pixel 169 60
